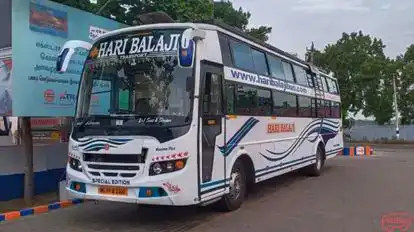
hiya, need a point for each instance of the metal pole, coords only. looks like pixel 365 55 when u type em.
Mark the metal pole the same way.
pixel 28 169
pixel 397 129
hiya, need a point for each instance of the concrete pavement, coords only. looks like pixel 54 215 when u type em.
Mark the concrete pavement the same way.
pixel 351 195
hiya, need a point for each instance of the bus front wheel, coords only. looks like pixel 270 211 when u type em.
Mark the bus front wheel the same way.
pixel 238 186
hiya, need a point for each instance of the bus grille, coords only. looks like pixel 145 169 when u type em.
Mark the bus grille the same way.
pixel 115 165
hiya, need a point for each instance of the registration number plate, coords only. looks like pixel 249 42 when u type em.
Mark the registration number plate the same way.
pixel 116 191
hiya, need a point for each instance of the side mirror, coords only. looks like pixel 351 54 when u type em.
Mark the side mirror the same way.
pixel 63 59
pixel 189 84
pixel 186 49
pixel 66 52
pixel 186 55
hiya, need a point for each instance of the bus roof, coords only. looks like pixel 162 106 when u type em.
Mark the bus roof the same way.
pixel 210 24
pixel 240 33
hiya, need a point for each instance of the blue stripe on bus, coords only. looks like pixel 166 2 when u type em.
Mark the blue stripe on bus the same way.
pixel 238 136
pixel 214 183
pixel 262 172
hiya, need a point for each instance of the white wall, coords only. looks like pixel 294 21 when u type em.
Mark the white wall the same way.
pixel 51 156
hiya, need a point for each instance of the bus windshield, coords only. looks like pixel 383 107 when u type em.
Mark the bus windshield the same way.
pixel 129 93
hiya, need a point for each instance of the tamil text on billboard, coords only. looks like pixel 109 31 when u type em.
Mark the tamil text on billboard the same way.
pixel 39 29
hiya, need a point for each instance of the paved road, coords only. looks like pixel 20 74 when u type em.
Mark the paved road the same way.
pixel 352 195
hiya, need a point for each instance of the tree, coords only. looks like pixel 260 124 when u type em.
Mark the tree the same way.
pixel 362 69
pixel 125 11
pixel 405 67
pixel 260 33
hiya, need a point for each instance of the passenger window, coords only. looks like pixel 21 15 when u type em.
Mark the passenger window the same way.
pixel 332 85
pixel 287 68
pixel 305 106
pixel 251 100
pixel 324 109
pixel 276 68
pixel 230 98
pixel 246 100
pixel 264 102
pixel 310 80
pixel 336 110
pixel 242 55
pixel 300 75
pixel 225 50
pixel 284 104
pixel 328 113
pixel 324 84
pixel 212 94
pixel 320 108
pixel 260 64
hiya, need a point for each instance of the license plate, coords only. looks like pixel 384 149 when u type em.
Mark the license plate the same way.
pixel 116 191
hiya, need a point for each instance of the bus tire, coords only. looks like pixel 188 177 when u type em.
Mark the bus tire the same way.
pixel 317 168
pixel 238 187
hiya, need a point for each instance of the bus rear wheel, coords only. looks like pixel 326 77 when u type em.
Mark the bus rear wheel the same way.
pixel 317 168
pixel 238 186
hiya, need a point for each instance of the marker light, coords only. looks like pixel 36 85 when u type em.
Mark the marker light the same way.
pixel 170 166
pixel 179 164
pixel 148 192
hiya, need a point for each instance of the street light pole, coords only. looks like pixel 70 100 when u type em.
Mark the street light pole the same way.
pixel 397 129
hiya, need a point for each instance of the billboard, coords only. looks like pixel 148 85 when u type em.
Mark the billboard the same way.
pixel 5 86
pixel 39 29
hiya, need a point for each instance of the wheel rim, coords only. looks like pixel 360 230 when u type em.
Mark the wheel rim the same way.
pixel 235 185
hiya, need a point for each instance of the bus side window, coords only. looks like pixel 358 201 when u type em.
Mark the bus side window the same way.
pixel 230 98
pixel 212 100
pixel 324 84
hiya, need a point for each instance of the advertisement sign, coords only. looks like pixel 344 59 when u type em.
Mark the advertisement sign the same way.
pixel 44 123
pixel 94 32
pixel 39 29
pixel 5 87
pixel 48 20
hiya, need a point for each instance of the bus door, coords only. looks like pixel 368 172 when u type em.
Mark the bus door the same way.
pixel 212 127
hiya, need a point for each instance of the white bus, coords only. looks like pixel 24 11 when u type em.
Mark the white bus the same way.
pixel 194 113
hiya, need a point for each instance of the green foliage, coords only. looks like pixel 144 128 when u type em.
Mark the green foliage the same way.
pixel 405 80
pixel 260 33
pixel 125 11
pixel 224 11
pixel 364 74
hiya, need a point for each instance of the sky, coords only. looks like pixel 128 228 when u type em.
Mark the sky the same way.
pixel 296 23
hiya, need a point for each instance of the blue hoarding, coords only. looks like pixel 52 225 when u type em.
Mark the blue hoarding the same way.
pixel 39 29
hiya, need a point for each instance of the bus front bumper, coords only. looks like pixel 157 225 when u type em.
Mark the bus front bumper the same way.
pixel 168 200
pixel 152 192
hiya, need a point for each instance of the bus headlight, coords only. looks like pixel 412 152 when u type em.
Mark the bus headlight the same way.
pixel 163 167
pixel 156 168
pixel 75 164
